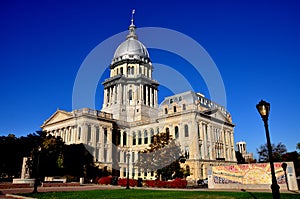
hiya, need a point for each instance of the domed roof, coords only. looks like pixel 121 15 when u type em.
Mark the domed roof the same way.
pixel 131 48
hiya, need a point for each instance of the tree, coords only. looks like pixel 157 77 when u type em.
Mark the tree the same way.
pixel 293 157
pixel 298 146
pixel 277 151
pixel 162 156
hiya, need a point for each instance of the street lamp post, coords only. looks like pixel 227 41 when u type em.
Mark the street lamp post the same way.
pixel 263 108
pixel 127 182
pixel 284 165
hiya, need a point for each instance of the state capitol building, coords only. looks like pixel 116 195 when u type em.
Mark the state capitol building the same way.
pixel 131 115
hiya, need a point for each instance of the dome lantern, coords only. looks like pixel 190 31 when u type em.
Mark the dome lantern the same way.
pixel 131 48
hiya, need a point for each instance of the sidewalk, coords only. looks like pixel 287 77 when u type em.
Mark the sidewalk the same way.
pixel 16 191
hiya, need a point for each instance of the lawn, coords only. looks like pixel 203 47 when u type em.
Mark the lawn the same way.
pixel 157 194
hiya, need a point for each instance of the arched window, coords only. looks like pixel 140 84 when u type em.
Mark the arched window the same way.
pixel 166 110
pixel 121 71
pixel 130 94
pixel 174 109
pixel 183 107
pixel 139 138
pixel 151 135
pixel 186 130
pixel 187 168
pixel 168 133
pixel 145 137
pixel 133 138
pixel 176 132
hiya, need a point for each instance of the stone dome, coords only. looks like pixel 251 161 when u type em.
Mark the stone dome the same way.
pixel 131 48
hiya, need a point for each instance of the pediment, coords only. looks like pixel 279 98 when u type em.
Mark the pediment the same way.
pixel 218 114
pixel 58 116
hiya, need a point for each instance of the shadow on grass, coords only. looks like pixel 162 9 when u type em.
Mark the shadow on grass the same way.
pixel 251 194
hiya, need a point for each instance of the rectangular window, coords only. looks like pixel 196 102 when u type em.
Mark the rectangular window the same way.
pixel 124 139
pixel 105 155
pixel 105 136
pixel 97 135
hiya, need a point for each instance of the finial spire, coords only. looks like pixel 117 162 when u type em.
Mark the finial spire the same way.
pixel 132 19
pixel 132 27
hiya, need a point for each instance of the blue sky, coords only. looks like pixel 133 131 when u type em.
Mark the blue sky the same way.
pixel 255 45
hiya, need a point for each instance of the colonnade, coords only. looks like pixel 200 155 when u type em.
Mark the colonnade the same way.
pixel 98 138
pixel 137 94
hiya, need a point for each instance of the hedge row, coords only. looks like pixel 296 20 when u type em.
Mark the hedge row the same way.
pixel 176 183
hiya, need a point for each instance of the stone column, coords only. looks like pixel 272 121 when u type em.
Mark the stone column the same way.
pixel 147 94
pixel 102 145
pixel 109 144
pixel 141 94
pixel 151 96
pixel 121 138
pixel 155 98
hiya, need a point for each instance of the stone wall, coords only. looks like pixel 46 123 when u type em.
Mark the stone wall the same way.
pixel 251 176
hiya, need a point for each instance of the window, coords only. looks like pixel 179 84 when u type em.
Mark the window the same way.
pixel 133 138
pixel 152 173
pixel 139 138
pixel 79 133
pixel 187 152
pixel 97 135
pixel 145 137
pixel 132 157
pixel 180 98
pixel 166 110
pixel 124 171
pixel 176 132
pixel 168 133
pixel 186 130
pixel 105 154
pixel 183 107
pixel 124 157
pixel 130 94
pixel 122 70
pixel 171 101
pixel 151 135
pixel 174 109
pixel 89 134
pixel 105 136
pixel 124 138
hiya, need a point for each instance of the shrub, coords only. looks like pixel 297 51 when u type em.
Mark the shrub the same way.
pixel 123 182
pixel 176 183
pixel 105 180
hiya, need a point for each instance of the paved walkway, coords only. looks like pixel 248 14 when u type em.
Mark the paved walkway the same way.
pixel 16 191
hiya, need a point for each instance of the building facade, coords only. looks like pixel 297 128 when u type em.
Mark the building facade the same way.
pixel 131 115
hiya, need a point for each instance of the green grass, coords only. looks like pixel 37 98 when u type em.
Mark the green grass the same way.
pixel 157 194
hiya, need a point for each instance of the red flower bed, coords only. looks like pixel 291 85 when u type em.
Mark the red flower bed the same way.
pixel 105 180
pixel 123 182
pixel 176 183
